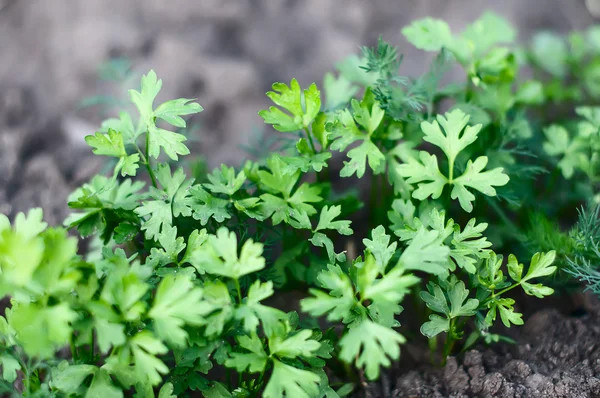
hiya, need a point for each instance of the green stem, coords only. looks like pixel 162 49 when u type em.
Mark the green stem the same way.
pixel 449 343
pixel 501 292
pixel 310 140
pixel 450 169
pixel 239 290
pixel 146 162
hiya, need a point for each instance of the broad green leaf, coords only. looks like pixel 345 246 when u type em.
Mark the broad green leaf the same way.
pixel 435 325
pixel 428 34
pixel 450 140
pixel 176 303
pixel 288 381
pixel 69 378
pixel 482 181
pixel 10 366
pixel 426 174
pixel 303 106
pixel 370 346
pixel 426 253
pixel 379 245
pixel 221 255
pixel 300 344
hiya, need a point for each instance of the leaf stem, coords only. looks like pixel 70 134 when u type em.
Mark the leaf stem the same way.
pixel 310 140
pixel 501 292
pixel 146 162
pixel 239 290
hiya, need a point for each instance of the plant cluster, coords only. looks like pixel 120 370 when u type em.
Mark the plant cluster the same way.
pixel 246 282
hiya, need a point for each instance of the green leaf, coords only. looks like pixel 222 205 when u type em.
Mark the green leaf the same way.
pixel 225 181
pixel 549 51
pixel 451 141
pixel 459 305
pixel 30 225
pixel 123 125
pixel 171 111
pixel 321 240
pixel 166 391
pixel 386 293
pixel 540 266
pixel 110 144
pixel 254 361
pixel 449 298
pixel 176 303
pixel 109 334
pixel 435 299
pixel 221 255
pixel 103 387
pixel 370 346
pixel 573 151
pixel 435 325
pixel 380 246
pixel 507 313
pixel 207 206
pixel 172 201
pixel 300 344
pixel 530 92
pixel 428 34
pixel 171 143
pixel 344 131
pixel 328 214
pixel 251 311
pixel 69 378
pixel 303 107
pixel 473 177
pixel 55 322
pixel 277 182
pixel 145 348
pixel 426 253
pixel 288 381
pixel 338 303
pixel 338 91
pixel 9 367
pixel 306 162
pixel 144 99
pixel 426 174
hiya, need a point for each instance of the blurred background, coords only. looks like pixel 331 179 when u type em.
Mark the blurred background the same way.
pixel 65 65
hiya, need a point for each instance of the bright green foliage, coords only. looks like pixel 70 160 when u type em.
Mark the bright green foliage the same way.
pixel 171 201
pixel 280 203
pixel 171 111
pixel 452 140
pixel 111 144
pixel 431 34
pixel 466 247
pixel 578 152
pixel 367 301
pixel 185 286
pixel 346 130
pixel 451 301
pixel 302 106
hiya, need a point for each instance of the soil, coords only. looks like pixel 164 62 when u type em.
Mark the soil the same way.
pixel 555 355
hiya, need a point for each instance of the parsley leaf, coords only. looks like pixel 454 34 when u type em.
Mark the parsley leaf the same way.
pixel 171 201
pixel 345 131
pixel 370 345
pixel 303 107
pixel 177 302
pixel 427 174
